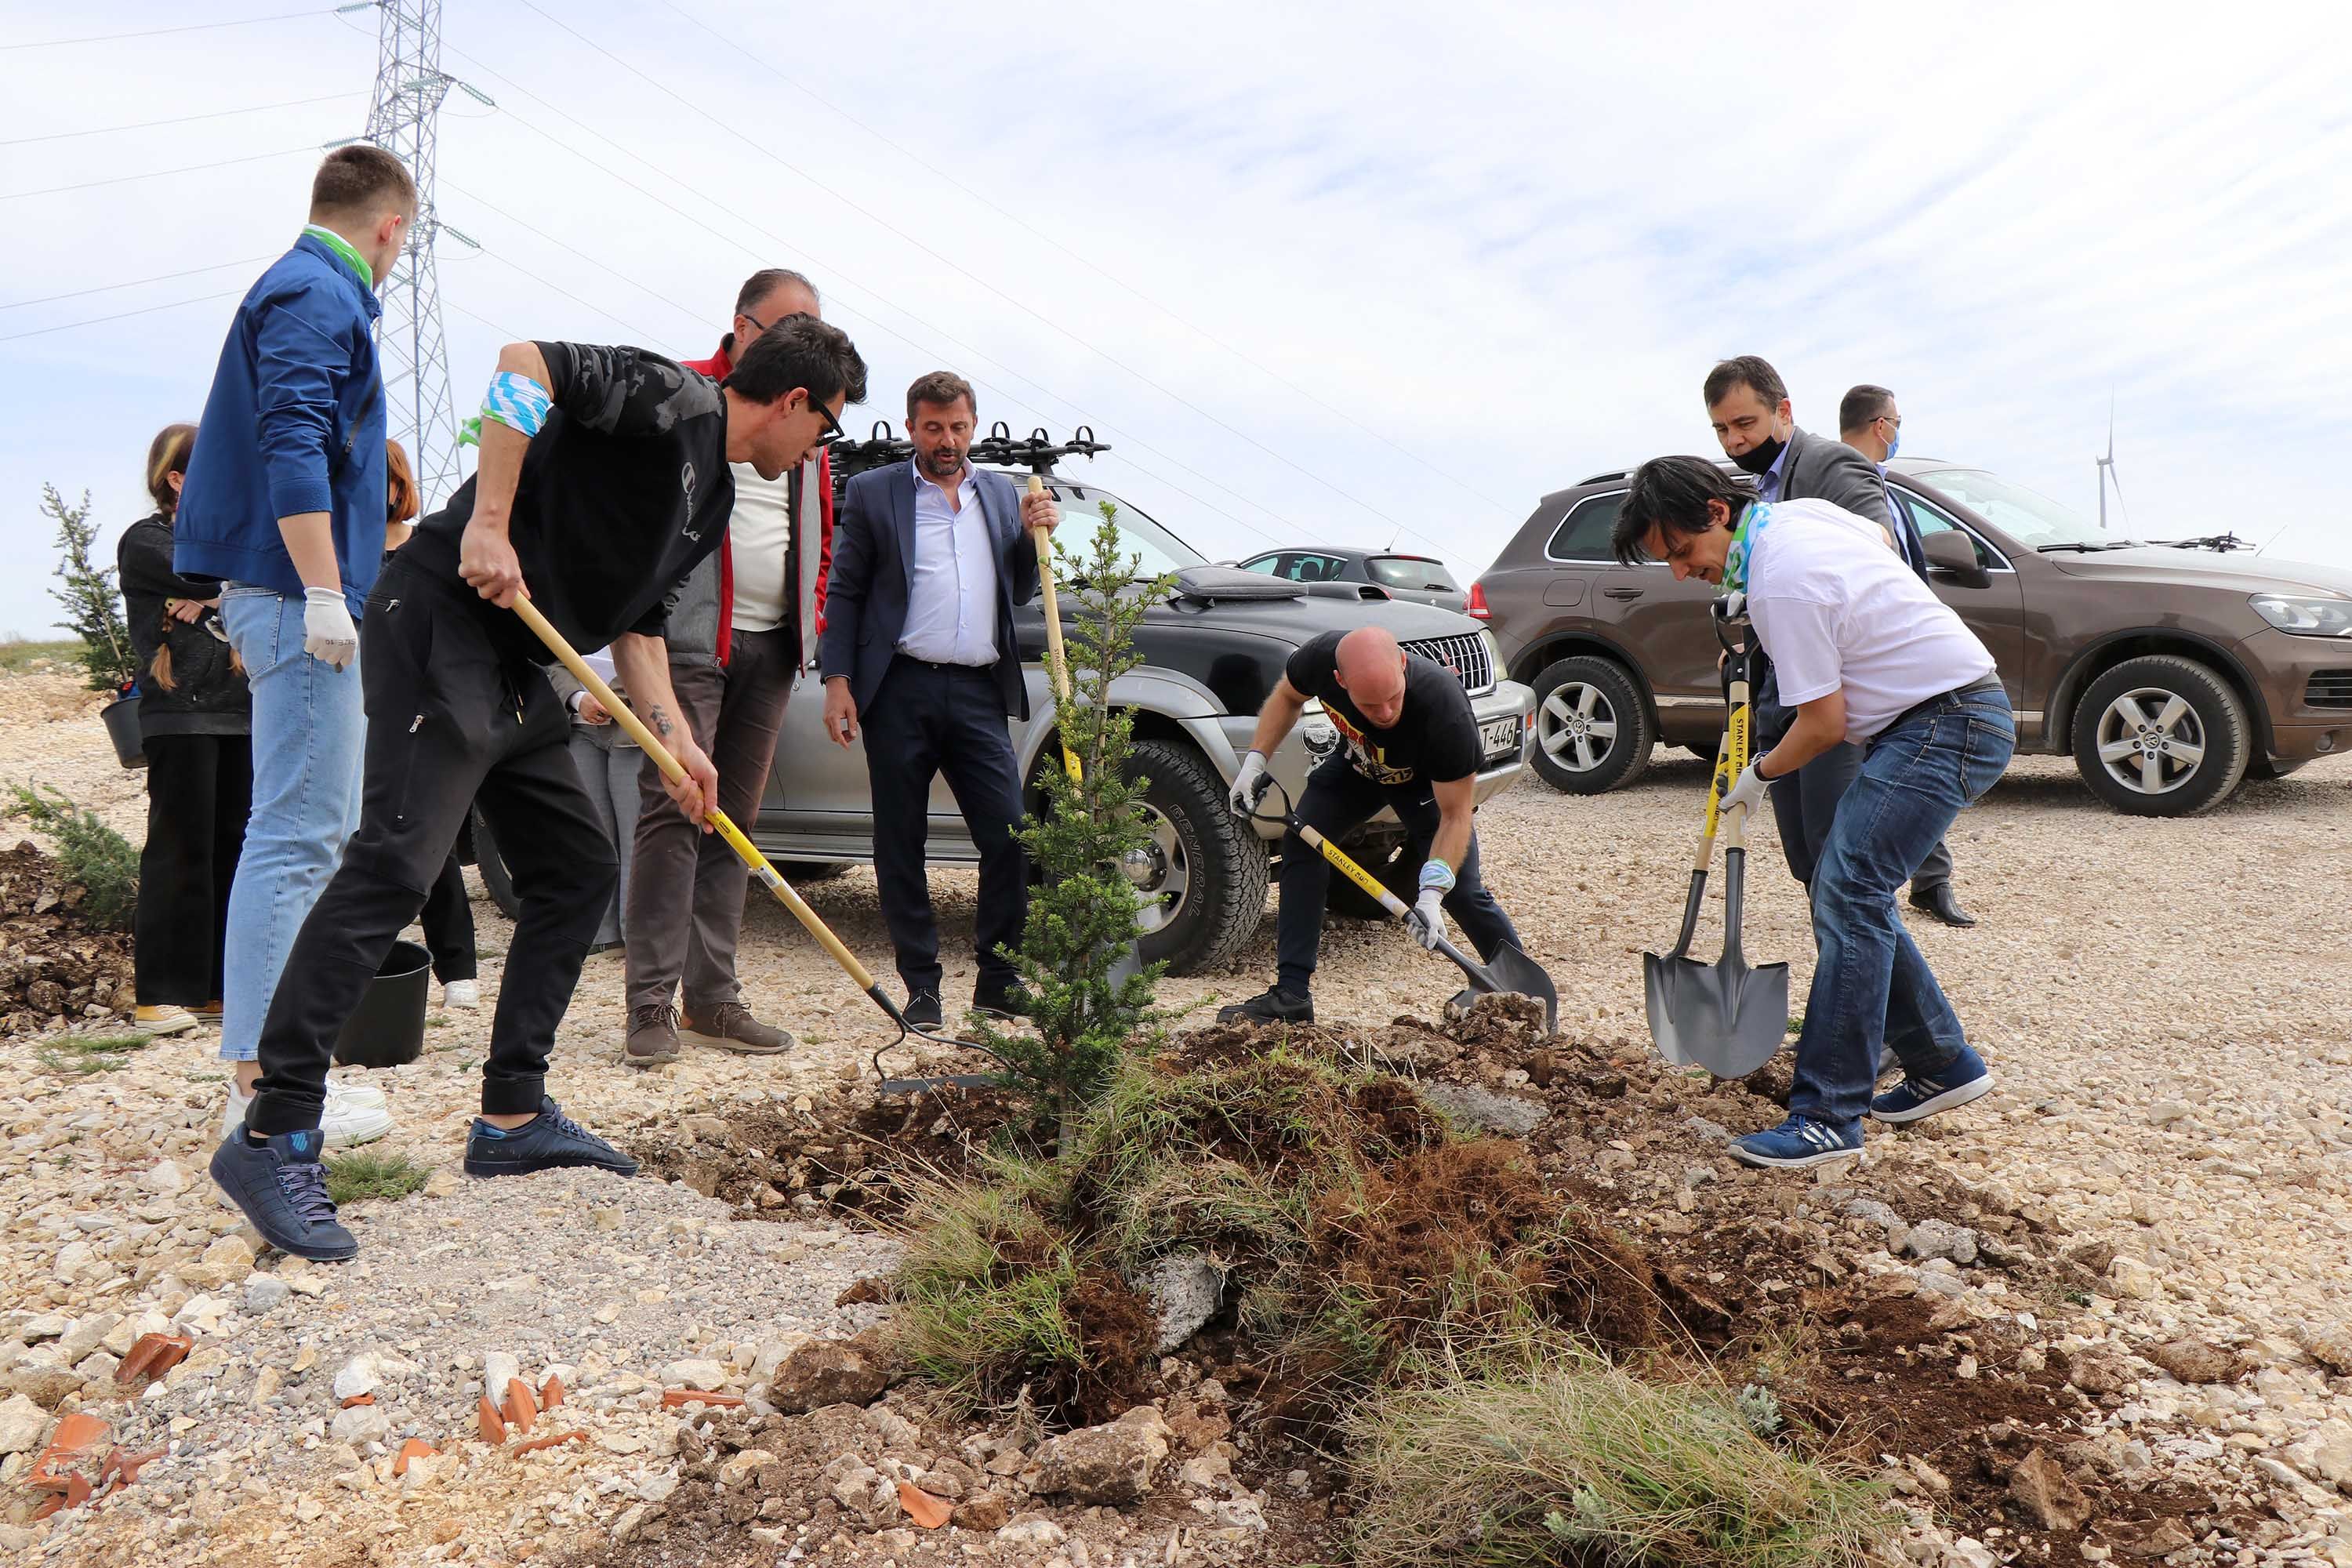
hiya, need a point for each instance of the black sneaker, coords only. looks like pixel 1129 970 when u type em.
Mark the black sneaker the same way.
pixel 922 1009
pixel 553 1141
pixel 1275 1007
pixel 282 1189
pixel 1011 1000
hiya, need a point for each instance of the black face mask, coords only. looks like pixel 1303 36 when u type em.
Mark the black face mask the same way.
pixel 1759 459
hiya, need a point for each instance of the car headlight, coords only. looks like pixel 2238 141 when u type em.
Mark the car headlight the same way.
pixel 2306 617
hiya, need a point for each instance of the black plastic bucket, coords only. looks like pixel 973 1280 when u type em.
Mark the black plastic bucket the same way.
pixel 121 717
pixel 387 1028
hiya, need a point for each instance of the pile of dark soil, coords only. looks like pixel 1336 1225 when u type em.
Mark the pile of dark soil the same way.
pixel 57 969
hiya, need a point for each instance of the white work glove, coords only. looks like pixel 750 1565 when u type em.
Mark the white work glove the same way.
pixel 1248 784
pixel 1747 790
pixel 328 634
pixel 1426 918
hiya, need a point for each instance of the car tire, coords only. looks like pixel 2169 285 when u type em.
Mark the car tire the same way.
pixel 496 881
pixel 1220 858
pixel 1599 695
pixel 2143 765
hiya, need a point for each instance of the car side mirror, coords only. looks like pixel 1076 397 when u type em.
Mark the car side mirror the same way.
pixel 1953 554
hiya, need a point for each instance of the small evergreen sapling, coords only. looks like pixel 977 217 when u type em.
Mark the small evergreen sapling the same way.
pixel 93 608
pixel 1082 915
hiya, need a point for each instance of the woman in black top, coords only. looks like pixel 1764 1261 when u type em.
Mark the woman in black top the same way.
pixel 194 720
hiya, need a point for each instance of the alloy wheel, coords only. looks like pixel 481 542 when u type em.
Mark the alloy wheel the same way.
pixel 1576 726
pixel 2150 740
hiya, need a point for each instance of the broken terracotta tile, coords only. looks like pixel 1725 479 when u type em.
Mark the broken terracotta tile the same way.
pixel 550 1393
pixel 926 1510
pixel 152 1357
pixel 520 1409
pixel 359 1399
pixel 124 1467
pixel 493 1424
pixel 76 1493
pixel 415 1449
pixel 673 1397
pixel 575 1435
pixel 69 1445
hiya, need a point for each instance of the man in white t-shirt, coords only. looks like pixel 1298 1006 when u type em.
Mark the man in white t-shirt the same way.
pixel 1867 654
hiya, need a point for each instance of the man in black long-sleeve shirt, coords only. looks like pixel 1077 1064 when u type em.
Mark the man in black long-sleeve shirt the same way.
pixel 603 480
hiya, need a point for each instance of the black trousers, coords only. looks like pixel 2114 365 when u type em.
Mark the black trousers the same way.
pixel 1805 803
pixel 199 793
pixel 450 724
pixel 448 921
pixel 1336 800
pixel 926 719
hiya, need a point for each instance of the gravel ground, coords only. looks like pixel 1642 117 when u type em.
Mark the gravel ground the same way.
pixel 2163 1000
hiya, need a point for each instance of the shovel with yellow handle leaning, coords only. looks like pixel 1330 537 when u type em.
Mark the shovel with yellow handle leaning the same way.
pixel 762 871
pixel 1723 1016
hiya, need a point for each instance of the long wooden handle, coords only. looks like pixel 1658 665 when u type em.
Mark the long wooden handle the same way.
pixel 1715 787
pixel 670 768
pixel 1346 867
pixel 1735 835
pixel 1058 668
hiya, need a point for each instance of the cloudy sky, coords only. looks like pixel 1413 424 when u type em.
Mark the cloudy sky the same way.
pixel 1351 274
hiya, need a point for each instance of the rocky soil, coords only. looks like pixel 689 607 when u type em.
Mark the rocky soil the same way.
pixel 2126 1276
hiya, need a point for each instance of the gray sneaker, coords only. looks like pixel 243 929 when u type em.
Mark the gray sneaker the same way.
pixel 653 1036
pixel 729 1026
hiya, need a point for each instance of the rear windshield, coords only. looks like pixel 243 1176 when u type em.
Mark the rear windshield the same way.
pixel 1412 572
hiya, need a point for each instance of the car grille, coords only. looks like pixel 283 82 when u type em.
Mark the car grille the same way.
pixel 1464 655
pixel 2329 688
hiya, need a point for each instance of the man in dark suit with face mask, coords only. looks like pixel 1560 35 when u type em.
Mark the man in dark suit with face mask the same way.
pixel 1747 404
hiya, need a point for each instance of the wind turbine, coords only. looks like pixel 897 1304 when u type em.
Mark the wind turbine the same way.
pixel 2106 467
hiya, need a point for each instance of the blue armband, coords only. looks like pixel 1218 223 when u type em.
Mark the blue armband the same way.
pixel 1436 873
pixel 517 401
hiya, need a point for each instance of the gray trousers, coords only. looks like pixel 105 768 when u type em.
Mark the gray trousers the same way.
pixel 685 904
pixel 608 769
pixel 1805 802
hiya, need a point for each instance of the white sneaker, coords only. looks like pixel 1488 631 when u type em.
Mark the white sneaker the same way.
pixel 462 994
pixel 348 1117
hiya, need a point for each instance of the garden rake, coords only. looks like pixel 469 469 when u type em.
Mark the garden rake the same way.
pixel 762 871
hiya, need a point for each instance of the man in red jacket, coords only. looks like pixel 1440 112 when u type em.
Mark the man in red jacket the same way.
pixel 742 629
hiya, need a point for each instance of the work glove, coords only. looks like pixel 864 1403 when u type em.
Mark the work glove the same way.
pixel 1747 790
pixel 1249 785
pixel 1426 918
pixel 328 634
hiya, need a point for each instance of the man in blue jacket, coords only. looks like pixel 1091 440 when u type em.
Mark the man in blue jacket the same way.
pixel 284 504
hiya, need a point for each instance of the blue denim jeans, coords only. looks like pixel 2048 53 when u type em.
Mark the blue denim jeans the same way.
pixel 1871 985
pixel 309 730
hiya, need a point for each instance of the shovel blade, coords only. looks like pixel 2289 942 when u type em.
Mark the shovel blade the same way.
pixel 1512 972
pixel 1726 1017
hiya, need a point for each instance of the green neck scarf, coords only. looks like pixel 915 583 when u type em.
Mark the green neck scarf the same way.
pixel 343 247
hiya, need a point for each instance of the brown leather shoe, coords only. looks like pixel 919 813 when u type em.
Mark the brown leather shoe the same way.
pixel 729 1026
pixel 653 1036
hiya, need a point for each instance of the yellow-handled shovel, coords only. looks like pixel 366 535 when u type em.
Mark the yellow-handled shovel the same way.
pixel 762 871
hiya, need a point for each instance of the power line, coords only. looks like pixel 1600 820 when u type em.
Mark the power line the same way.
pixel 488 206
pixel 154 173
pixel 120 315
pixel 164 32
pixel 1129 438
pixel 558 289
pixel 183 120
pixel 135 282
pixel 768 65
pixel 758 144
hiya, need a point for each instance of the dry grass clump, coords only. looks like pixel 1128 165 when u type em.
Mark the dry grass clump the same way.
pixel 1540 1453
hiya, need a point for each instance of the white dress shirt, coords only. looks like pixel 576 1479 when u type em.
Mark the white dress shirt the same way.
pixel 952 582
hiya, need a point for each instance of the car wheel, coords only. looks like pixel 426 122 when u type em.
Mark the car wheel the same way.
pixel 493 868
pixel 1593 730
pixel 1203 877
pixel 2161 736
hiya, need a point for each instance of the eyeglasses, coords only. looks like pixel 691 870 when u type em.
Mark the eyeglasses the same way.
pixel 833 430
pixel 1893 420
pixel 758 326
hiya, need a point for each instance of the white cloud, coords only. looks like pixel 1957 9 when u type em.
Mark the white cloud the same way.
pixel 1507 240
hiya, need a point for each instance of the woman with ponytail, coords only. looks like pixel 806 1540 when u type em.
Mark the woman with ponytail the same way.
pixel 195 716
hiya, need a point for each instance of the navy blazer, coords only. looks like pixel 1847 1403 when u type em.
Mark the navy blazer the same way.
pixel 872 570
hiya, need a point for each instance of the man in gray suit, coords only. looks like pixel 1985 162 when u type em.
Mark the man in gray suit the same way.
pixel 929 560
pixel 1747 404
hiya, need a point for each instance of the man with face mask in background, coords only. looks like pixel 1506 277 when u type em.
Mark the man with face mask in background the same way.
pixel 1747 404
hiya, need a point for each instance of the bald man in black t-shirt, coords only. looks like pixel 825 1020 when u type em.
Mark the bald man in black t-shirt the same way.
pixel 1409 742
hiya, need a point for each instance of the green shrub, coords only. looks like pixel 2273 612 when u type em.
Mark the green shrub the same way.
pixel 93 608
pixel 90 852
pixel 373 1174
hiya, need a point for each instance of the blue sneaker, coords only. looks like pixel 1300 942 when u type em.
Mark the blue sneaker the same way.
pixel 1963 1079
pixel 553 1141
pixel 1797 1142
pixel 282 1189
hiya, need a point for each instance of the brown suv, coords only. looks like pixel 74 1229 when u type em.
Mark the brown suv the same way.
pixel 2169 671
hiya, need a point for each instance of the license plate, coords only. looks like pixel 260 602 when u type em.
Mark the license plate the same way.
pixel 1500 737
